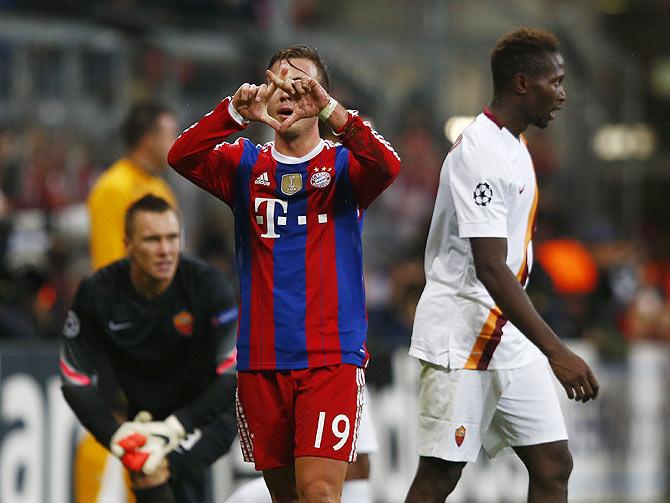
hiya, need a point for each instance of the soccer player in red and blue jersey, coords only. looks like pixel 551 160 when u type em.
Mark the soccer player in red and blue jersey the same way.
pixel 298 204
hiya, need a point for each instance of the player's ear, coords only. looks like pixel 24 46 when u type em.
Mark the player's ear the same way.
pixel 520 83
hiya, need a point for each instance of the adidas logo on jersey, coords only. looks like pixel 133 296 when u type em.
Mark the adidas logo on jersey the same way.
pixel 263 179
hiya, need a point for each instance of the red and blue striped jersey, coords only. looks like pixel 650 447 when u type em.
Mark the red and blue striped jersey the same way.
pixel 298 224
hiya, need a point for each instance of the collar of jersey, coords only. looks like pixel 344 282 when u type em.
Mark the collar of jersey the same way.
pixel 505 133
pixel 161 298
pixel 489 115
pixel 285 159
pixel 487 112
pixel 514 146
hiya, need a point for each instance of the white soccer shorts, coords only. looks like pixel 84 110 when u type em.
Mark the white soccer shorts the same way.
pixel 462 410
pixel 367 437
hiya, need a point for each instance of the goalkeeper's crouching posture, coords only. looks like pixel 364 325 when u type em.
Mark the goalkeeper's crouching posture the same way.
pixel 148 359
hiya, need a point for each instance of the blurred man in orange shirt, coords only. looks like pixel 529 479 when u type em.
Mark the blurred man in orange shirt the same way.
pixel 148 132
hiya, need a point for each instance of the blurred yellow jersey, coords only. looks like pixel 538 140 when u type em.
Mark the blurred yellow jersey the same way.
pixel 116 189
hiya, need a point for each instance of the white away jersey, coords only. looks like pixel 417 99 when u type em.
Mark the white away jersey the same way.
pixel 487 189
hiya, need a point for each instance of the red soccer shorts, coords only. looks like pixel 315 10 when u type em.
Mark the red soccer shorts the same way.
pixel 286 414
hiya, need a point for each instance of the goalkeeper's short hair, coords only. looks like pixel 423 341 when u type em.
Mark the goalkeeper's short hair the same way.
pixel 150 203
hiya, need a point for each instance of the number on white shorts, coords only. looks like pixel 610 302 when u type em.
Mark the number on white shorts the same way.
pixel 341 432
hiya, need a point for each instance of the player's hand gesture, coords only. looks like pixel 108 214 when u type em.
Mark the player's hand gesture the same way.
pixel 251 102
pixel 308 97
pixel 575 375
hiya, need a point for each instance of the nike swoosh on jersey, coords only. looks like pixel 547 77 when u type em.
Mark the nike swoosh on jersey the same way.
pixel 164 438
pixel 522 189
pixel 190 440
pixel 113 326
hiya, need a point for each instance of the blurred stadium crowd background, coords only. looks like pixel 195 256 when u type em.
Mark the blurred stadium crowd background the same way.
pixel 70 70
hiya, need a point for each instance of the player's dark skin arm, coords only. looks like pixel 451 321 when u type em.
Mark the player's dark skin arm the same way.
pixel 572 372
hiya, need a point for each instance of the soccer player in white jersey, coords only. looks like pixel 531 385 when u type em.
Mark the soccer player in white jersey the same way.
pixel 357 487
pixel 484 349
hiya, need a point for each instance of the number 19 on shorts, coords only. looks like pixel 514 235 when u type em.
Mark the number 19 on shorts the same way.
pixel 339 426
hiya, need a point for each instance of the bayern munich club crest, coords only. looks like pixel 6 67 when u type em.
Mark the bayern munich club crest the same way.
pixel 459 435
pixel 321 177
pixel 483 194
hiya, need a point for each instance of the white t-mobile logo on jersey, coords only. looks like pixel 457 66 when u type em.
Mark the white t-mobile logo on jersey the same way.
pixel 270 215
pixel 269 218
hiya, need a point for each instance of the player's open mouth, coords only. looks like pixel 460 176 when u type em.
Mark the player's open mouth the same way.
pixel 285 112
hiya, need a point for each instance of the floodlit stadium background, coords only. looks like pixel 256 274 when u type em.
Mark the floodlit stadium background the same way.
pixel 69 71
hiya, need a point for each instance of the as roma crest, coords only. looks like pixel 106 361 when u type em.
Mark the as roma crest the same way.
pixel 183 323
pixel 460 435
pixel 291 183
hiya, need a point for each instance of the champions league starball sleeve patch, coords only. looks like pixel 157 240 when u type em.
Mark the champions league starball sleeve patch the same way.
pixel 483 194
pixel 72 326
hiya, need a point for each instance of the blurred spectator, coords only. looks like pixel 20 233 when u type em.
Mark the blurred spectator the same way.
pixel 148 132
pixel 47 182
pixel 16 319
pixel 618 261
pixel 9 162
pixel 32 300
pixel 647 315
pixel 58 172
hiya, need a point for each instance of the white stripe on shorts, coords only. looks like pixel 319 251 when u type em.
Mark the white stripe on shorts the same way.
pixel 246 444
pixel 360 401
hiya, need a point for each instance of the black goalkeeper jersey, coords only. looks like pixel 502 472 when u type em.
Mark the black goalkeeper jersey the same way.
pixel 173 354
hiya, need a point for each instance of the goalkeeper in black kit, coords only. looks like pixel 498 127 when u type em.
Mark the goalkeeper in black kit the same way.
pixel 148 359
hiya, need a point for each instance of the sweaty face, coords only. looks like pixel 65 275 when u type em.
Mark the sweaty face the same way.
pixel 280 106
pixel 161 138
pixel 546 93
pixel 153 245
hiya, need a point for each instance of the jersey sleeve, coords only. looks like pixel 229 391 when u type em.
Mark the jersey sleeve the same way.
pixel 84 370
pixel 223 311
pixel 201 155
pixel 220 310
pixel 203 447
pixel 373 164
pixel 481 194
